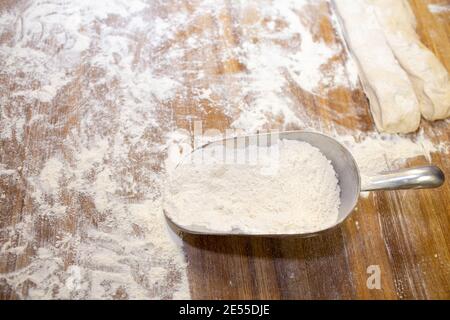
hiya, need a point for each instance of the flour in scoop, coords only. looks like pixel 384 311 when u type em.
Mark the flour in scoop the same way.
pixel 289 187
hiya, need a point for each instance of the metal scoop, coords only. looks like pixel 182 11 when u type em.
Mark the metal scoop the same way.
pixel 347 173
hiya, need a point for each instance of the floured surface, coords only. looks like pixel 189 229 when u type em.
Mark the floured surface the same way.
pixel 81 116
pixel 439 8
pixel 377 153
pixel 91 96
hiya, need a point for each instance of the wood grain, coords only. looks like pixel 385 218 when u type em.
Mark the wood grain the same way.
pixel 405 233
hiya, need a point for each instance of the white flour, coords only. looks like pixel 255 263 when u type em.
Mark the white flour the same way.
pixel 272 68
pixel 290 190
pixel 92 177
pixel 439 8
pixel 375 152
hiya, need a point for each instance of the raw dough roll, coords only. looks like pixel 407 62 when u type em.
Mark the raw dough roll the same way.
pixel 428 76
pixel 393 103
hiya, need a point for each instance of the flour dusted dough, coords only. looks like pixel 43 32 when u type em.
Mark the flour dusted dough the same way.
pixel 393 103
pixel 428 76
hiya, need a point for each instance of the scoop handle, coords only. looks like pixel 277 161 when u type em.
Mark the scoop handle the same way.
pixel 412 178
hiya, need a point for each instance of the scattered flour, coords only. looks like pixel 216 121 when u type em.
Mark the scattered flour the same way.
pixel 293 190
pixel 286 55
pixel 79 122
pixel 376 152
pixel 439 8
pixel 271 67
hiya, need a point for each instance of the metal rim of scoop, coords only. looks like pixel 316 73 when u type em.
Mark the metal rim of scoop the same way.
pixel 393 180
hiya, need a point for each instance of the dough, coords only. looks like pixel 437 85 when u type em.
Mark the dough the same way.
pixel 393 103
pixel 429 77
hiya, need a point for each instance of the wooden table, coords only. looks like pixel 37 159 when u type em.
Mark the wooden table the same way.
pixel 405 233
